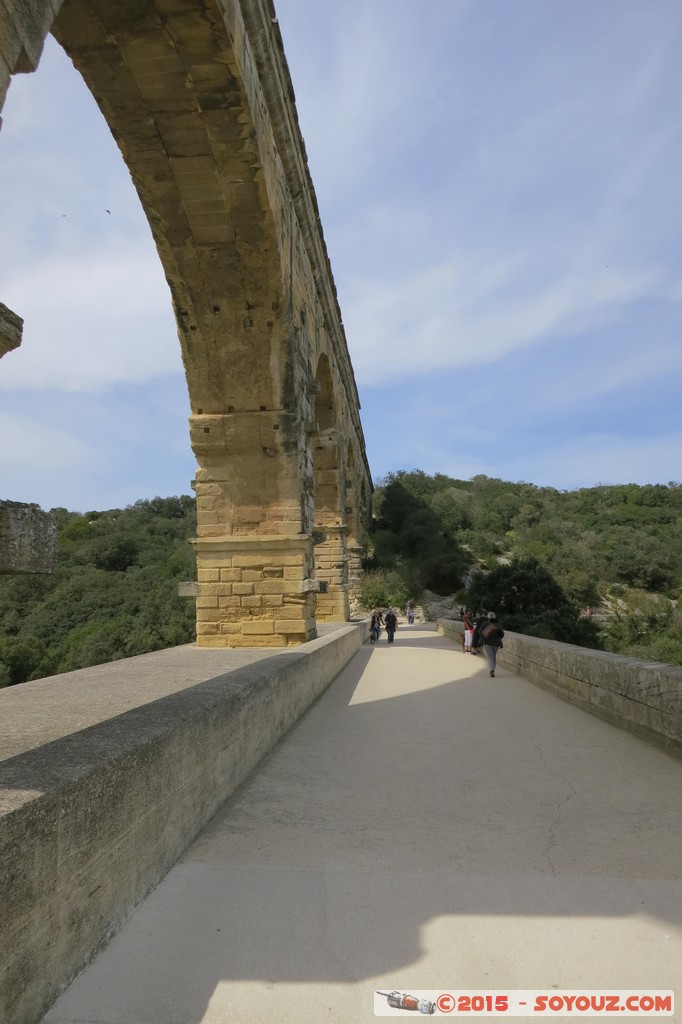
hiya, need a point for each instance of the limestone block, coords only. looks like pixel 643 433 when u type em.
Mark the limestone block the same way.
pixel 244 588
pixel 188 588
pixel 216 589
pixel 212 576
pixel 272 587
pixel 230 575
pixel 289 627
pixel 205 630
pixel 258 627
pixel 288 612
pixel 205 615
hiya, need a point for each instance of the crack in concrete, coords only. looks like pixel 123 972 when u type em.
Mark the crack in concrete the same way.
pixel 554 824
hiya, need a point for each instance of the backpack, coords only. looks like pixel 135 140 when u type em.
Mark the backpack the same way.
pixel 490 631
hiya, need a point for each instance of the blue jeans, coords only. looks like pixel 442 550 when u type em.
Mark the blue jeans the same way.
pixel 491 655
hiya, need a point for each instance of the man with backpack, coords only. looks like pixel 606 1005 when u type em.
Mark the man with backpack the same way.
pixel 490 637
pixel 391 624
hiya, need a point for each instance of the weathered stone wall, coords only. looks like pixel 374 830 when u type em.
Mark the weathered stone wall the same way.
pixel 106 776
pixel 23 27
pixel 28 539
pixel 643 697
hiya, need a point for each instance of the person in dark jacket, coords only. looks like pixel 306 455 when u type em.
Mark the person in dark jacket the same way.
pixel 491 640
pixel 481 621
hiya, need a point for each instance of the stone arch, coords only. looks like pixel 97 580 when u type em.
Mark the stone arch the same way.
pixel 199 101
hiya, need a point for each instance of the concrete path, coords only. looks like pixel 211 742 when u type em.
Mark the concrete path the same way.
pixel 423 827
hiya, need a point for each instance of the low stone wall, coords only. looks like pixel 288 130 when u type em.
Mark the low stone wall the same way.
pixel 107 774
pixel 644 697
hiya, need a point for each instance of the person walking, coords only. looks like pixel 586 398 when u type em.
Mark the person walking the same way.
pixel 491 639
pixel 391 624
pixel 375 625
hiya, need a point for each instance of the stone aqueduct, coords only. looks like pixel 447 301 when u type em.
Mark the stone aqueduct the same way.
pixel 198 97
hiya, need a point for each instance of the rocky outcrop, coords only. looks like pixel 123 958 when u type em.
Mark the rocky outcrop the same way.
pixel 28 539
pixel 11 327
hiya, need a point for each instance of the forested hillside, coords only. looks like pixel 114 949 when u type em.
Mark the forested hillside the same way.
pixel 114 593
pixel 537 556
pixel 617 549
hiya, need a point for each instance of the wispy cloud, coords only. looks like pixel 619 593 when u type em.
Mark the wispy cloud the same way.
pixel 452 316
pixel 77 336
pixel 499 191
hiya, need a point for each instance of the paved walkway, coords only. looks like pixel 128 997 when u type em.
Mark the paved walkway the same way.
pixel 423 827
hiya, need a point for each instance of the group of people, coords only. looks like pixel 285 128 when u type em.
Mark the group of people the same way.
pixel 482 630
pixel 387 619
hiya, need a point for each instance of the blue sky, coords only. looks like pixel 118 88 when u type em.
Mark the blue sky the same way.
pixel 500 190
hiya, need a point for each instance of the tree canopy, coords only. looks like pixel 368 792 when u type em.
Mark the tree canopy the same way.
pixel 113 595
pixel 598 545
pixel 535 555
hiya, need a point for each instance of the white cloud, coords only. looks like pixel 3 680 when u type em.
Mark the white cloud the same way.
pixel 92 319
pixel 457 315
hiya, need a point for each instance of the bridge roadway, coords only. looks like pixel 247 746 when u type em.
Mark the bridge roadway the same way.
pixel 423 827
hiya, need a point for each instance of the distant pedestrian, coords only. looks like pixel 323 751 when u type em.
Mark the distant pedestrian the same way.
pixel 391 624
pixel 491 639
pixel 480 621
pixel 375 624
pixel 468 635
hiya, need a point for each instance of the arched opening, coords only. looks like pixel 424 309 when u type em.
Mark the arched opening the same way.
pixel 96 395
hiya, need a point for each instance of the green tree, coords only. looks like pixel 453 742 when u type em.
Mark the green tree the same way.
pixel 527 599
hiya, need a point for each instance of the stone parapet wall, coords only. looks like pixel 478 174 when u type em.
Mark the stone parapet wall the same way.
pixel 644 697
pixel 109 773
